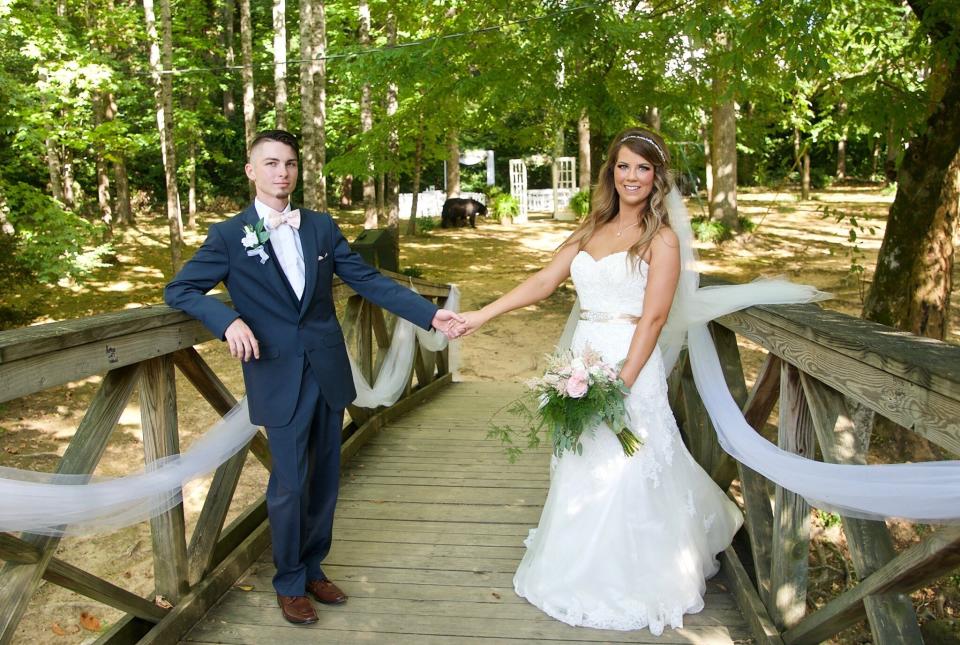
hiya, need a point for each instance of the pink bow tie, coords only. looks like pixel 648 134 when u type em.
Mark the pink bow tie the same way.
pixel 275 219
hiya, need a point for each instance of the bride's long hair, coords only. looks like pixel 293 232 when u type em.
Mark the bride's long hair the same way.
pixel 605 202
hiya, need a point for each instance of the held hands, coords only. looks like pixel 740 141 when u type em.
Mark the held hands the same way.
pixel 243 344
pixel 455 325
pixel 472 320
pixel 448 323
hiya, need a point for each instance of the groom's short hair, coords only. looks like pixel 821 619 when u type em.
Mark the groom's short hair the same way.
pixel 280 136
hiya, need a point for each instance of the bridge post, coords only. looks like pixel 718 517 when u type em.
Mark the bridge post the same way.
pixel 791 515
pixel 891 616
pixel 158 412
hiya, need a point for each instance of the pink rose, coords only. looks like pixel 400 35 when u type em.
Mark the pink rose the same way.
pixel 578 383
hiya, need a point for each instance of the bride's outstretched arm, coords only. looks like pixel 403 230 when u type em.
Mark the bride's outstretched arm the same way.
pixel 534 289
pixel 658 297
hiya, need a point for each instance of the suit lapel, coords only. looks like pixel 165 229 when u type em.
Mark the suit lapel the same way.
pixel 308 244
pixel 273 275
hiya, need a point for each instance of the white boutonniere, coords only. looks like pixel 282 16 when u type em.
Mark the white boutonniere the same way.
pixel 254 237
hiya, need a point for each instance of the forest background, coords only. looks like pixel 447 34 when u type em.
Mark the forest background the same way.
pixel 111 110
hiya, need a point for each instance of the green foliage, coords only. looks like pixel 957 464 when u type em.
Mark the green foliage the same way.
pixel 503 206
pixel 412 271
pixel 580 203
pixel 709 230
pixel 827 519
pixel 15 311
pixel 54 243
pixel 427 224
pixel 860 71
pixel 852 246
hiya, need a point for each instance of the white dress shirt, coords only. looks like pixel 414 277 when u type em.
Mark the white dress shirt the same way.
pixel 286 246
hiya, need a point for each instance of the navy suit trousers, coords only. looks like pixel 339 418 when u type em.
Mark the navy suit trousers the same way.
pixel 303 487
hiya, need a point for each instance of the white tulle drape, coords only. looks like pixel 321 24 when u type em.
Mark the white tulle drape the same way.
pixel 395 368
pixel 926 492
pixel 58 505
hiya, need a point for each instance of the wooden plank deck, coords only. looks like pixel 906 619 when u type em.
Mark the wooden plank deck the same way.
pixel 428 532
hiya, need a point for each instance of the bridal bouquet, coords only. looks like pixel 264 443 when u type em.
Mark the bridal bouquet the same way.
pixel 575 393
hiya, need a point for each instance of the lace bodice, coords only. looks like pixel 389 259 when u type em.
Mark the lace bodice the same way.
pixel 613 284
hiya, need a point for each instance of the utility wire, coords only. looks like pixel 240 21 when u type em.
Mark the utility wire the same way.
pixel 376 50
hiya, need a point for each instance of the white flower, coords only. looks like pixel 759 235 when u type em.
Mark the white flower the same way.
pixel 577 364
pixel 250 238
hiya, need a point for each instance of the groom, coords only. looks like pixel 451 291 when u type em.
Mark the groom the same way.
pixel 278 266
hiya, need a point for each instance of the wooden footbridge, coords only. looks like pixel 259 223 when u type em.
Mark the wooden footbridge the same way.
pixel 431 518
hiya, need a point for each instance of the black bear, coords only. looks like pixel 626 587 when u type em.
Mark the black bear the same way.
pixel 457 212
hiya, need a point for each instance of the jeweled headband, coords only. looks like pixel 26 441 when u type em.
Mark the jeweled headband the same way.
pixel 653 143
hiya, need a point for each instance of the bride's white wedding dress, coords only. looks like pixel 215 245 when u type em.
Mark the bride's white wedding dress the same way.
pixel 625 542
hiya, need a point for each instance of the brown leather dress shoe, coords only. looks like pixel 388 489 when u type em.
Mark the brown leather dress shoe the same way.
pixel 326 592
pixel 297 609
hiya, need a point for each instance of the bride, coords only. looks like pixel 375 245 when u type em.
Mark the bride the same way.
pixel 623 542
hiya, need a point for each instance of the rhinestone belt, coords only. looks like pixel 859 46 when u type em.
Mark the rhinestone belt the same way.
pixel 605 316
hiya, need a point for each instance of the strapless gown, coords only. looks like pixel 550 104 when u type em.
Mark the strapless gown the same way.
pixel 625 542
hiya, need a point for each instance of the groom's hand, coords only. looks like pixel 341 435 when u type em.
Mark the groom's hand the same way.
pixel 243 344
pixel 447 322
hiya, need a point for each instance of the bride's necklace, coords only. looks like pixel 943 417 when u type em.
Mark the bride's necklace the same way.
pixel 621 229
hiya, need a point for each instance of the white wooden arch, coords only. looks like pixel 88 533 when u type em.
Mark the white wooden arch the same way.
pixel 518 185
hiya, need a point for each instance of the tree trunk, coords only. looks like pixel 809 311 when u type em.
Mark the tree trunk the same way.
pixel 797 161
pixel 723 203
pixel 894 146
pixel 805 179
pixel 653 118
pixel 192 191
pixel 103 194
pixel 124 210
pixel 346 191
pixel 99 108
pixel 583 143
pixel 280 62
pixel 912 283
pixel 453 163
pixel 366 123
pixel 320 103
pixel 5 226
pixel 229 100
pixel 842 144
pixel 249 107
pixel 842 158
pixel 381 199
pixel 417 170
pixel 68 197
pixel 52 155
pixel 393 141
pixel 707 158
pixel 313 101
pixel 161 58
pixel 875 157
pixel 53 168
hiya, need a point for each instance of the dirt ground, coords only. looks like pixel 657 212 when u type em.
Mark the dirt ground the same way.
pixel 791 239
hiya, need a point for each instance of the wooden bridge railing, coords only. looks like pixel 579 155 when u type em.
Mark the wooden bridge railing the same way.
pixel 143 347
pixel 825 368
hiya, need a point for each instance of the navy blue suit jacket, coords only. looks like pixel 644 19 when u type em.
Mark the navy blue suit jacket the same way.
pixel 288 331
